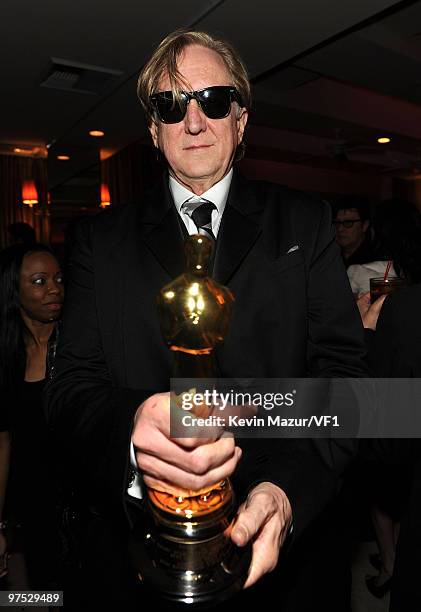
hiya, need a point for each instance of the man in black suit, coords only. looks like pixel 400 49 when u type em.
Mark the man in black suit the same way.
pixel 294 316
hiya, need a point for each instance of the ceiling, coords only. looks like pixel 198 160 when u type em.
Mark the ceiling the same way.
pixel 328 77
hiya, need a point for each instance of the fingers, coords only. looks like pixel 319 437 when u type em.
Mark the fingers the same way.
pixel 174 465
pixel 371 316
pixel 189 431
pixel 364 298
pixel 252 516
pixel 377 305
pixel 265 554
pixel 265 520
pixel 164 476
pixel 363 303
pixel 370 312
pixel 199 461
pixel 154 412
pixel 154 415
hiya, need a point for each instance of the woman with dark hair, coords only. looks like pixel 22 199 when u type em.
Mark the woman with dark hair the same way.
pixel 31 298
pixel 4 469
pixel 398 228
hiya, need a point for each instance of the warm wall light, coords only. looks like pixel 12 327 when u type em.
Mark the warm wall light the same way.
pixel 29 193
pixel 383 140
pixel 105 196
pixel 106 153
pixel 63 157
pixel 23 151
pixel 96 133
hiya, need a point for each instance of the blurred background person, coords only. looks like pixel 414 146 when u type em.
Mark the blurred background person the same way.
pixel 31 297
pixel 394 353
pixel 352 222
pixel 398 226
pixel 398 233
pixel 395 247
pixel 4 469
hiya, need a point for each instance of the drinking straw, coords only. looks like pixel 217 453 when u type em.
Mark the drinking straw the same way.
pixel 386 272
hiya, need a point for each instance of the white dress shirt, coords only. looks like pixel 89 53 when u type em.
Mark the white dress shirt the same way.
pixel 359 275
pixel 218 195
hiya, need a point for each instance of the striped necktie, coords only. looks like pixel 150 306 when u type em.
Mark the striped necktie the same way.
pixel 201 216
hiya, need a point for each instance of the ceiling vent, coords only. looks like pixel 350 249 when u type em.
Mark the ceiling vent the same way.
pixel 79 78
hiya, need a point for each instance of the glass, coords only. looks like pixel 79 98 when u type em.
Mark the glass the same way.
pixel 381 286
pixel 215 102
pixel 347 223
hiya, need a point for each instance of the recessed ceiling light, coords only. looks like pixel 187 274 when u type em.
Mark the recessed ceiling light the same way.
pixel 383 140
pixel 63 157
pixel 96 133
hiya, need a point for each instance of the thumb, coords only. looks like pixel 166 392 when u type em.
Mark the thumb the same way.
pixel 251 516
pixel 377 305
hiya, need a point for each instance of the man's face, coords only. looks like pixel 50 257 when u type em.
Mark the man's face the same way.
pixel 350 238
pixel 200 151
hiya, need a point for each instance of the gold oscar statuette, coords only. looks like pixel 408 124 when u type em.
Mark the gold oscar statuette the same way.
pixel 185 552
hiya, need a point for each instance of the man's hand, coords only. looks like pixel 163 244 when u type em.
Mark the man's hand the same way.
pixel 186 466
pixel 370 312
pixel 183 466
pixel 265 518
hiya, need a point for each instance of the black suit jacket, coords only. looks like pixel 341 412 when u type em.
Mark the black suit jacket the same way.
pixel 294 316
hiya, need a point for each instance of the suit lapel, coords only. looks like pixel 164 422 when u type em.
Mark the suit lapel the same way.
pixel 239 230
pixel 161 231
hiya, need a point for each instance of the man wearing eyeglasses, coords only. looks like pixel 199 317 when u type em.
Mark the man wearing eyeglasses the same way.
pixel 294 316
pixel 352 224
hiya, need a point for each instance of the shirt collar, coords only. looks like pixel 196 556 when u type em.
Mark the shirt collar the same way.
pixel 217 194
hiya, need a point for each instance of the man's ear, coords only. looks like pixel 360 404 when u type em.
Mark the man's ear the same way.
pixel 365 226
pixel 242 118
pixel 153 128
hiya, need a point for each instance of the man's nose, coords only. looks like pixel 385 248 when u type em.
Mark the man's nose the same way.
pixel 195 119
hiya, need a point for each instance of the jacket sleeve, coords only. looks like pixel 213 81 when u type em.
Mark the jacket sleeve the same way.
pixel 311 470
pixel 90 419
pixel 335 333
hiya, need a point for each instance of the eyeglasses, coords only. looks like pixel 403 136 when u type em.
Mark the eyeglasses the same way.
pixel 347 223
pixel 215 102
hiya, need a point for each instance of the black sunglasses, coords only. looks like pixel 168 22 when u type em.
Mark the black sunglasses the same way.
pixel 347 223
pixel 215 102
